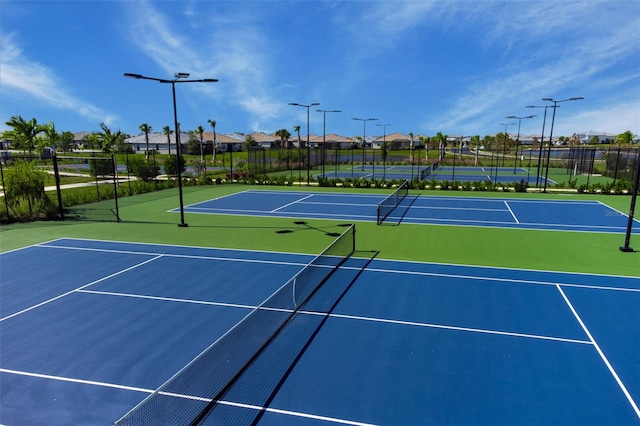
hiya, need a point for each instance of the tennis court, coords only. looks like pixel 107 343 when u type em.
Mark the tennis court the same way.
pixel 94 327
pixel 541 214
pixel 437 172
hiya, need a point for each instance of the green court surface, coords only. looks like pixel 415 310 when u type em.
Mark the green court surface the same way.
pixel 146 218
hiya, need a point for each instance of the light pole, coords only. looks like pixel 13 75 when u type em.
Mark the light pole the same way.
pixel 308 147
pixel 177 79
pixel 544 120
pixel 504 146
pixel 384 150
pixel 518 138
pixel 364 135
pixel 553 119
pixel 324 134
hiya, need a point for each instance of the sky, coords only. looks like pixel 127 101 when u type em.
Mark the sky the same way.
pixel 456 67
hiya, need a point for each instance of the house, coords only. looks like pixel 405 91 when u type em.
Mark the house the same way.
pixel 394 141
pixel 158 142
pixel 596 137
pixel 332 141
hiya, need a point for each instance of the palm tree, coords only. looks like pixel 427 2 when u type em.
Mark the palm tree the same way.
pixel 24 132
pixel 167 132
pixel 144 127
pixel 441 140
pixel 51 135
pixel 213 127
pixel 109 139
pixel 200 131
pixel 411 147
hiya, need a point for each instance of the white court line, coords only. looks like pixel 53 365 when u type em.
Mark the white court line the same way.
pixel 69 379
pixel 175 299
pixel 511 211
pixel 602 355
pixel 451 327
pixel 479 209
pixel 80 288
pixel 291 203
pixel 186 256
pixel 503 280
pixel 150 391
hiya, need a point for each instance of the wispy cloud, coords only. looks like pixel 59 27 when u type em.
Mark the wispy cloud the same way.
pixel 23 76
pixel 555 66
pixel 231 50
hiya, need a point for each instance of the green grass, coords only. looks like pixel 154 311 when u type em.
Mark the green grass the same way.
pixel 145 219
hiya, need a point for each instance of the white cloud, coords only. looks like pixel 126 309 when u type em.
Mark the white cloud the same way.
pixel 232 51
pixel 23 76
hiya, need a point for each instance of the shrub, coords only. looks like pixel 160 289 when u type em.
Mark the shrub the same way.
pixel 145 170
pixel 171 165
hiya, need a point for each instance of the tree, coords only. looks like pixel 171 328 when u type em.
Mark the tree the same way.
pixel 171 165
pixel 411 147
pixel 441 140
pixel 24 133
pixel 284 136
pixel 215 139
pixel 51 136
pixel 625 138
pixel 66 141
pixel 24 182
pixel 145 170
pixel 107 139
pixel 475 141
pixel 424 141
pixel 200 131
pixel 145 128
pixel 167 132
pixel 249 141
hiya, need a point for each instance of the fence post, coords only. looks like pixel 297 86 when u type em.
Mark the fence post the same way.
pixel 58 190
pixel 634 195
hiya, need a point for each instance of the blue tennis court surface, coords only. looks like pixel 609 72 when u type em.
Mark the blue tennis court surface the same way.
pixel 90 328
pixel 585 216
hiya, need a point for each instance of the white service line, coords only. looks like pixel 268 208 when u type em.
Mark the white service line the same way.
pixel 602 355
pixel 79 288
pixel 511 211
pixel 291 203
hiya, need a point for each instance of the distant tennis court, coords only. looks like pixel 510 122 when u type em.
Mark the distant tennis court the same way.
pixel 542 214
pixel 91 328
pixel 440 173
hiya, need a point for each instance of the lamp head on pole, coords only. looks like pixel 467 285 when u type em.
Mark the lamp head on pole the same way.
pixel 179 75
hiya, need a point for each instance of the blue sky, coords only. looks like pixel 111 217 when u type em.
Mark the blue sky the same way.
pixel 422 66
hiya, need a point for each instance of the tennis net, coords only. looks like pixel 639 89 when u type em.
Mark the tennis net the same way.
pixel 429 169
pixel 387 205
pixel 197 387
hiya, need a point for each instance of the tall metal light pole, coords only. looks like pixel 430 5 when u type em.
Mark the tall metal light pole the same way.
pixel 177 79
pixel 553 119
pixel 308 147
pixel 544 120
pixel 384 150
pixel 364 135
pixel 518 138
pixel 324 133
pixel 504 146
